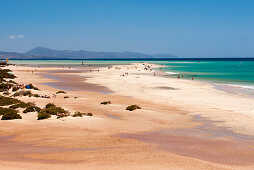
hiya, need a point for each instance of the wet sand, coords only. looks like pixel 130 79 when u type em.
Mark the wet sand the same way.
pixel 114 116
pixel 67 80
pixel 206 142
pixel 245 92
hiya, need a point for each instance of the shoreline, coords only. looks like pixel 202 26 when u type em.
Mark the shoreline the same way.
pixel 245 90
pixel 161 110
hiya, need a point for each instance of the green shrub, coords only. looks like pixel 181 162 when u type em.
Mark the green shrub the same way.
pixel 89 114
pixel 50 105
pixel 79 114
pixel 32 109
pixel 36 95
pixel 53 110
pixel 7 110
pixel 10 116
pixel 106 102
pixel 4 101
pixel 15 88
pixel 19 105
pixel 23 93
pixel 6 93
pixel 61 116
pixel 5 86
pixel 13 82
pixel 61 91
pixel 4 73
pixel 43 115
pixel 133 107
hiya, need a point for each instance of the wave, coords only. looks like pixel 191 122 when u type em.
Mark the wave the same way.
pixel 168 72
pixel 241 86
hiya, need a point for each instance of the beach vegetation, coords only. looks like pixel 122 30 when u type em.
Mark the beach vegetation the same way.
pixel 15 88
pixel 133 107
pixel 53 110
pixel 79 114
pixel 32 108
pixel 43 115
pixel 23 93
pixel 7 110
pixel 89 114
pixel 5 101
pixel 50 105
pixel 9 114
pixel 19 105
pixel 5 73
pixel 5 86
pixel 36 95
pixel 12 82
pixel 6 93
pixel 61 91
pixel 62 115
pixel 106 102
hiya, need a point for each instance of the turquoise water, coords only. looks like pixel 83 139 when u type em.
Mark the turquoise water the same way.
pixel 68 62
pixel 238 72
pixel 233 72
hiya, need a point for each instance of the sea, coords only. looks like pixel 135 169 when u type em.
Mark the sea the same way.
pixel 232 75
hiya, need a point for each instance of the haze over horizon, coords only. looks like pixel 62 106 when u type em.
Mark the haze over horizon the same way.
pixel 219 28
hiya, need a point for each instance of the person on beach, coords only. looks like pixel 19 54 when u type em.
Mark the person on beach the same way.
pixel 192 78
pixel 178 76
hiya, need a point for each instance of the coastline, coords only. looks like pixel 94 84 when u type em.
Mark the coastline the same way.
pixel 189 94
pixel 166 103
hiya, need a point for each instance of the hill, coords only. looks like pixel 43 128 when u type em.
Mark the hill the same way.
pixel 47 53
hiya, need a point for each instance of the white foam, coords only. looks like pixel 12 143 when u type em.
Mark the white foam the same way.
pixel 168 72
pixel 240 86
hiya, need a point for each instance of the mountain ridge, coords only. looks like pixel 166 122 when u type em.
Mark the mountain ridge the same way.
pixel 47 53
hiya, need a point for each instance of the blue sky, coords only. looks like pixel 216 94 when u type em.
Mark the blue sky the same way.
pixel 186 28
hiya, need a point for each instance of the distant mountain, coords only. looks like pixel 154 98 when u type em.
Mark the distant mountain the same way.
pixel 46 53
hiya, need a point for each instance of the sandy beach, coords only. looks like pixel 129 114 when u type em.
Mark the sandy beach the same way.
pixel 182 124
